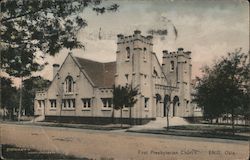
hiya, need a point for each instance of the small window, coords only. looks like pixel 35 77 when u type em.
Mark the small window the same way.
pixel 41 103
pixel 128 52
pixel 126 75
pixel 68 103
pixel 107 102
pixel 86 102
pixel 73 103
pixel 171 65
pixel 52 103
pixel 144 54
pixel 146 102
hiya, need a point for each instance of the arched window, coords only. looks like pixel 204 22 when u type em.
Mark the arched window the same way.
pixel 172 65
pixel 69 84
pixel 144 54
pixel 128 52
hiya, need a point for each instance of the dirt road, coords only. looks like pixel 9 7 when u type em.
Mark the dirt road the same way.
pixel 110 145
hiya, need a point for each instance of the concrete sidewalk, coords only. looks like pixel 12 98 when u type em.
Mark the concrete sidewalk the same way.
pixel 160 124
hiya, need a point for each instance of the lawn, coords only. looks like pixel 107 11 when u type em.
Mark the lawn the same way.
pixel 213 128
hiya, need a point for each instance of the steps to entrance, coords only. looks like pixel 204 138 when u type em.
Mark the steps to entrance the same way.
pixel 39 119
pixel 160 123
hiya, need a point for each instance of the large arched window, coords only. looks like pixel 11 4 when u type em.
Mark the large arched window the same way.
pixel 128 52
pixel 69 84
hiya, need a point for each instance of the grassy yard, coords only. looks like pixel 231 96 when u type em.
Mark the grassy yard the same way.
pixel 213 128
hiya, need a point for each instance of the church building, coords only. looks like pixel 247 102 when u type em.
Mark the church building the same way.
pixel 82 89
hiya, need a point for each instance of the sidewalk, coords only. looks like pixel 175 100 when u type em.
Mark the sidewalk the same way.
pixel 108 127
pixel 154 127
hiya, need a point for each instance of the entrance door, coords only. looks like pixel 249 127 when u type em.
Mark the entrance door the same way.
pixel 166 105
pixel 175 103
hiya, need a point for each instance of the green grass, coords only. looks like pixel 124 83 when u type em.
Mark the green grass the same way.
pixel 213 128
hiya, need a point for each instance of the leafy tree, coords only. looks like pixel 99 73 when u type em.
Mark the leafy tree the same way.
pixel 30 30
pixel 8 97
pixel 30 87
pixel 124 96
pixel 224 88
pixel 119 99
pixel 130 99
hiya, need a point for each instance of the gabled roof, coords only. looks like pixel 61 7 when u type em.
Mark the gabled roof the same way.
pixel 101 74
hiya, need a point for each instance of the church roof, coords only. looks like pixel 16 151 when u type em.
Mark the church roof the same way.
pixel 102 74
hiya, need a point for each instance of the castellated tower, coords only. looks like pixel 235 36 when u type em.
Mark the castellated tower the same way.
pixel 134 66
pixel 178 69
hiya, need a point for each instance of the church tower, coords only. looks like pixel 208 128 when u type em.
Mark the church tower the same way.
pixel 134 67
pixel 178 69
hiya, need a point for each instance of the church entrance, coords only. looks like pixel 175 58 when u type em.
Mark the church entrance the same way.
pixel 166 105
pixel 175 104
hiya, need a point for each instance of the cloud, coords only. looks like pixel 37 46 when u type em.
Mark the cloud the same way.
pixel 209 29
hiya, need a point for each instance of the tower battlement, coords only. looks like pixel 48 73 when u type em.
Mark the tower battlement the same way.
pixel 135 37
pixel 179 52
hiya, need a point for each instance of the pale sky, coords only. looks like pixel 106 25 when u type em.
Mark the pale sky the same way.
pixel 207 28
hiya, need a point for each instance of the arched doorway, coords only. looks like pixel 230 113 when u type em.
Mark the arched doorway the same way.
pixel 166 104
pixel 175 103
pixel 158 105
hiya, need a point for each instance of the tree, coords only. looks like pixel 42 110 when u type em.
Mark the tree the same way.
pixel 168 102
pixel 30 87
pixel 30 30
pixel 8 97
pixel 124 96
pixel 130 99
pixel 119 99
pixel 224 88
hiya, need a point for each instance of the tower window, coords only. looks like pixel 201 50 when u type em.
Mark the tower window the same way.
pixel 127 76
pixel 128 52
pixel 146 102
pixel 144 54
pixel 171 65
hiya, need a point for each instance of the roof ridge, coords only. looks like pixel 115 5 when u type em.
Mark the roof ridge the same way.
pixel 93 60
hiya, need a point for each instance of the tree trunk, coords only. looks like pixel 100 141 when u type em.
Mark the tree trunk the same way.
pixel 233 120
pixel 167 122
pixel 3 113
pixel 130 116
pixel 20 99
pixel 121 118
pixel 113 115
pixel 167 118
pixel 227 118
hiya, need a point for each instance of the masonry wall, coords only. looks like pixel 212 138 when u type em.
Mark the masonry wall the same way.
pixel 141 69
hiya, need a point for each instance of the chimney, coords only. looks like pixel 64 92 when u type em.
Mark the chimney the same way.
pixel 55 69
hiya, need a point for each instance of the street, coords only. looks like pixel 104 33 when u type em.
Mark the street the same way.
pixel 122 145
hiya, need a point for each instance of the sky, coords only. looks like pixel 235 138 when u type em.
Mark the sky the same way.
pixel 208 28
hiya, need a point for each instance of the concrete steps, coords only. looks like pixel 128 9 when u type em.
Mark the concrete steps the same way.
pixel 38 119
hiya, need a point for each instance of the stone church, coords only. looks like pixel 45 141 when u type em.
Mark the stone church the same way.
pixel 81 90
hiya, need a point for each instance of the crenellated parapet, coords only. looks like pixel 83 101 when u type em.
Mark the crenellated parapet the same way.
pixel 135 37
pixel 178 53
